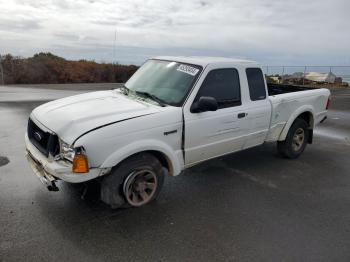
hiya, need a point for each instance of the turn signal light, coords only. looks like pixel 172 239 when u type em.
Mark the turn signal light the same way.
pixel 328 103
pixel 80 164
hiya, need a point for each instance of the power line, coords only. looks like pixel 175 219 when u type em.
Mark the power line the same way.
pixel 306 66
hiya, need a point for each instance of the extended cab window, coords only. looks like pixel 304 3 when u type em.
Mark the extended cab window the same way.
pixel 223 85
pixel 256 84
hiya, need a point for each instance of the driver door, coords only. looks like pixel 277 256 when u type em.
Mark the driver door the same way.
pixel 214 133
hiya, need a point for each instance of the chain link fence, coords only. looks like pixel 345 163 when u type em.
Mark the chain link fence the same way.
pixel 309 75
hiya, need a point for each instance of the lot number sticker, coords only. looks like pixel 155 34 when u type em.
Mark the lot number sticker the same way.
pixel 188 69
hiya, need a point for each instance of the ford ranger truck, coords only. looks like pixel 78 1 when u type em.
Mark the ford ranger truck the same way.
pixel 173 113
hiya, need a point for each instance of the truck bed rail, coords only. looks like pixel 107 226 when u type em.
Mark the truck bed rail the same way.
pixel 277 89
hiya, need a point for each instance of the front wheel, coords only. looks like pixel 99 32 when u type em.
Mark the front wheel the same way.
pixel 296 140
pixel 134 183
pixel 140 187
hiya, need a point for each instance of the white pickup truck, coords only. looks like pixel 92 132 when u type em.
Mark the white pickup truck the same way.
pixel 173 113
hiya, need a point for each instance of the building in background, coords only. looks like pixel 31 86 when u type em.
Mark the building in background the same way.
pixel 321 77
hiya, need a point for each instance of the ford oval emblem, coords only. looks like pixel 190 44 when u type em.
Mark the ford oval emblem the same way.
pixel 37 136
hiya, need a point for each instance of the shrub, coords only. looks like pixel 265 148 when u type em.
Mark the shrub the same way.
pixel 47 68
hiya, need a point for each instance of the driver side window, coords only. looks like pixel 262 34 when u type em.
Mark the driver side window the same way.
pixel 223 85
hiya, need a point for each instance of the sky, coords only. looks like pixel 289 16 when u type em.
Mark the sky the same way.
pixel 284 32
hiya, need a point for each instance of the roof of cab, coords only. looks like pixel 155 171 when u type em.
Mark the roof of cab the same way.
pixel 205 60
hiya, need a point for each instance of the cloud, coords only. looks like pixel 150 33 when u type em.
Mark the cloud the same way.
pixel 270 31
pixel 20 25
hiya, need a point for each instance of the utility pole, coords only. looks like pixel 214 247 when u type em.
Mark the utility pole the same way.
pixel 2 72
pixel 114 45
pixel 114 53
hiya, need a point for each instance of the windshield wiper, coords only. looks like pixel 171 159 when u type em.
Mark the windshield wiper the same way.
pixel 151 96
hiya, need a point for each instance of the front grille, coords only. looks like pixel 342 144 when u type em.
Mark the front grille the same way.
pixel 45 142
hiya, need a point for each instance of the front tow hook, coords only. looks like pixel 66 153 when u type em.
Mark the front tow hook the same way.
pixel 52 187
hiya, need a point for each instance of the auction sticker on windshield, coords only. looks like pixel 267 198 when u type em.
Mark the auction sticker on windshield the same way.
pixel 188 69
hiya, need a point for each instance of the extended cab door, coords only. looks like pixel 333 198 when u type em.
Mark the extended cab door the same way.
pixel 214 133
pixel 258 107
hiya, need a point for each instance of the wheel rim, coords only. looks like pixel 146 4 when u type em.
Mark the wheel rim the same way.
pixel 139 187
pixel 298 139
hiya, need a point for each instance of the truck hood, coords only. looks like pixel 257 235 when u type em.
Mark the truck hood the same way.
pixel 73 116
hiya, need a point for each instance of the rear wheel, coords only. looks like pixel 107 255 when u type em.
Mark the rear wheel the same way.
pixel 296 140
pixel 134 183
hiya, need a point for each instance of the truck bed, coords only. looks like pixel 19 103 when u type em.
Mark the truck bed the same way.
pixel 289 101
pixel 277 89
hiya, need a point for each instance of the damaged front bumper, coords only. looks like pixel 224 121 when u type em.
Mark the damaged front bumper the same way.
pixel 47 179
pixel 49 170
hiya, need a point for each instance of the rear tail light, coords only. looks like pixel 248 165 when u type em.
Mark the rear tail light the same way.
pixel 328 103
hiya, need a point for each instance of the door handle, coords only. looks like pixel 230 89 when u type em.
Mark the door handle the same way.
pixel 241 115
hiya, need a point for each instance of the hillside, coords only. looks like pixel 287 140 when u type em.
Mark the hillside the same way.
pixel 47 68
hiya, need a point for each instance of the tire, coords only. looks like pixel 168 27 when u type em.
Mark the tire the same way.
pixel 296 140
pixel 129 183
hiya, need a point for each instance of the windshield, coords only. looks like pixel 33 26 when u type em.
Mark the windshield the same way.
pixel 168 81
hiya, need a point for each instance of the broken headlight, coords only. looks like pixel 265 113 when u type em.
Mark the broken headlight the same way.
pixel 66 151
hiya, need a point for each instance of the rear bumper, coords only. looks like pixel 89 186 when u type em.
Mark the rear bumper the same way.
pixel 49 170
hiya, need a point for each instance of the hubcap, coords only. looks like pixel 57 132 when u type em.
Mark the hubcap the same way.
pixel 298 139
pixel 139 187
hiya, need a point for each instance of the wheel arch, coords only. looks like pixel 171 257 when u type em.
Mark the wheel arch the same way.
pixel 308 117
pixel 306 113
pixel 167 157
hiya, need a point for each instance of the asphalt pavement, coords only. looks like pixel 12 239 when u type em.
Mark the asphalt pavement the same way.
pixel 248 206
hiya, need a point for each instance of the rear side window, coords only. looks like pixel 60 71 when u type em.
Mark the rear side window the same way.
pixel 223 85
pixel 256 84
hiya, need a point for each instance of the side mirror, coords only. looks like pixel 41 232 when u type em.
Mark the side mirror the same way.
pixel 203 104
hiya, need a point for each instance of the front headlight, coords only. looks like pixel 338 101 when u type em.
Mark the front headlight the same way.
pixel 66 151
pixel 75 155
